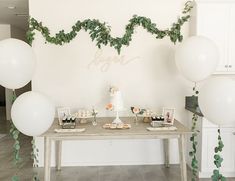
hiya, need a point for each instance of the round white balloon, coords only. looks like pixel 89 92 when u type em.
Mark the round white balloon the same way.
pixel 32 113
pixel 217 100
pixel 17 63
pixel 197 58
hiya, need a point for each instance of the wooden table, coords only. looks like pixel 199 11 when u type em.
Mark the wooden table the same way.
pixel 98 133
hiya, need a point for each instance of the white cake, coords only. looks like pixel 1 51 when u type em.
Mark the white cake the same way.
pixel 117 101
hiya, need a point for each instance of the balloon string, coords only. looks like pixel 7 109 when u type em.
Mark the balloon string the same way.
pixel 219 135
pixel 195 91
pixel 14 96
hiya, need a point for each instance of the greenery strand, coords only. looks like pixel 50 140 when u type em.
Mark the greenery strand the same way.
pixel 14 132
pixel 34 153
pixel 100 32
pixel 34 157
pixel 217 176
pixel 193 139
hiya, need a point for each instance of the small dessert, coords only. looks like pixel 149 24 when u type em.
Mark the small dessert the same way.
pixel 126 126
pixel 116 126
pixel 120 126
pixel 113 126
pixel 106 126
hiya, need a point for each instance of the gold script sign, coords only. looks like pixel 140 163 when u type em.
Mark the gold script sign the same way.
pixel 105 62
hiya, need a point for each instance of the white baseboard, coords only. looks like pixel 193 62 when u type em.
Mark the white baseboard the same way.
pixel 74 164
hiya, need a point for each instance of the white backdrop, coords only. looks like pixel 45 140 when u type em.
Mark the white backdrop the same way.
pixel 78 74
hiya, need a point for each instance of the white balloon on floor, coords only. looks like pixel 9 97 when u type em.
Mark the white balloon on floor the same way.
pixel 32 113
pixel 17 63
pixel 217 100
pixel 197 58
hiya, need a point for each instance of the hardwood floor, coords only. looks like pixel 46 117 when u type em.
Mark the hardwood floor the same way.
pixel 96 173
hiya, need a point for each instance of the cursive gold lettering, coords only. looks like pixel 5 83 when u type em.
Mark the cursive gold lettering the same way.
pixel 104 63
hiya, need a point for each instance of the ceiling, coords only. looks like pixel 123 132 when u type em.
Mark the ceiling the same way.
pixel 14 12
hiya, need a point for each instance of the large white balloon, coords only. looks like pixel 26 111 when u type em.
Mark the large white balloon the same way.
pixel 217 100
pixel 17 63
pixel 197 58
pixel 32 113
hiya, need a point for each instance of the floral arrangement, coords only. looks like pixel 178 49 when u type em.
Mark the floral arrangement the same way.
pixel 137 110
pixel 109 106
pixel 113 90
pixel 94 113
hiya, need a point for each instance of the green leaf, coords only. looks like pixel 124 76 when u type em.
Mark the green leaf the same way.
pixel 216 172
pixel 17 146
pixel 15 178
pixel 223 178
pixel 15 136
pixel 217 157
pixel 191 153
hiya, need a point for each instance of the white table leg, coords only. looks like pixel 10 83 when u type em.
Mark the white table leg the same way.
pixel 166 152
pixel 58 154
pixel 47 158
pixel 183 168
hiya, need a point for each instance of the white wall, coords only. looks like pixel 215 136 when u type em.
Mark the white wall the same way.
pixel 68 74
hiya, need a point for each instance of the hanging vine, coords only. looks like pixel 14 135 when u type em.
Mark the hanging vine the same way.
pixel 100 31
pixel 14 132
pixel 217 176
pixel 193 139
pixel 34 157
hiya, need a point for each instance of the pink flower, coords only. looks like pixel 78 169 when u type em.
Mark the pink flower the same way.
pixel 109 107
pixel 136 110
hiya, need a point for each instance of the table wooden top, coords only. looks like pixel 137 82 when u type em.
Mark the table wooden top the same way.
pixel 138 131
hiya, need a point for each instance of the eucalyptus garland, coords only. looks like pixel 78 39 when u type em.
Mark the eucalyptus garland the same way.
pixel 34 153
pixel 217 176
pixel 14 132
pixel 34 157
pixel 15 135
pixel 100 31
pixel 193 139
